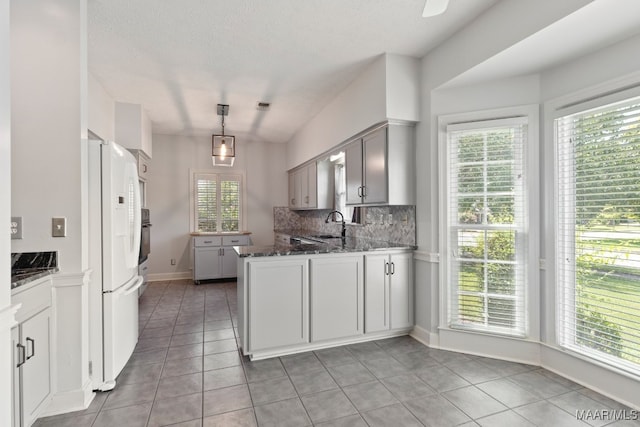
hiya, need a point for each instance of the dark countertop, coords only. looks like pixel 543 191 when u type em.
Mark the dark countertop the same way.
pixel 22 277
pixel 323 246
pixel 29 266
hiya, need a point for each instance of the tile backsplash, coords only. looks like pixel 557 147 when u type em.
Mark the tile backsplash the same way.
pixel 390 223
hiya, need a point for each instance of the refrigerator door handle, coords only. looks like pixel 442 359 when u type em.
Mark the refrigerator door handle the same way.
pixel 128 290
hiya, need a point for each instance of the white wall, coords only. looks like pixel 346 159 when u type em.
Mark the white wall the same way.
pixel 387 89
pixel 168 194
pixel 6 314
pixel 608 65
pixel 101 111
pixel 46 65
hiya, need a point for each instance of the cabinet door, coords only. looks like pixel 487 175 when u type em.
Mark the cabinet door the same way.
pixel 375 167
pixel 353 172
pixel 36 372
pixel 312 182
pixel 206 263
pixel 336 297
pixel 302 187
pixel 15 377
pixel 278 304
pixel 292 190
pixel 229 262
pixel 376 293
pixel 401 291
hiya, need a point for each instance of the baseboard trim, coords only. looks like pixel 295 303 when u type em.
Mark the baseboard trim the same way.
pixel 425 337
pixel 178 275
pixel 69 401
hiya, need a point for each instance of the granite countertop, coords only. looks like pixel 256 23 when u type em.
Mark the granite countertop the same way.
pixel 324 245
pixel 222 233
pixel 22 277
pixel 27 267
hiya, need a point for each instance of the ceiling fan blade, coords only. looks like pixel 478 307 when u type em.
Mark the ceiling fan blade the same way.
pixel 434 7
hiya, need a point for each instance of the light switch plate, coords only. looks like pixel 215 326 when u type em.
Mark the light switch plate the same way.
pixel 59 227
pixel 16 227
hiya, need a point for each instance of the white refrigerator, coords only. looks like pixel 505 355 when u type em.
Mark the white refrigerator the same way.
pixel 114 246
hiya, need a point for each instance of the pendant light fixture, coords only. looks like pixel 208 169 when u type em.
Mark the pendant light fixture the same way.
pixel 223 147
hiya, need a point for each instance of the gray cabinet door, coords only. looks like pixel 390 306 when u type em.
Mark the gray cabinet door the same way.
pixel 375 167
pixel 278 304
pixel 353 172
pixel 400 291
pixel 376 300
pixel 36 372
pixel 229 262
pixel 336 298
pixel 206 263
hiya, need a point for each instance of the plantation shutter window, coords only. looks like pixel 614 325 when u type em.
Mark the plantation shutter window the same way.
pixel 598 232
pixel 217 202
pixel 486 226
pixel 230 203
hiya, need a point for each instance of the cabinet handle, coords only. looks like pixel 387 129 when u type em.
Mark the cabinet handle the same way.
pixel 207 241
pixel 222 251
pixel 21 355
pixel 306 199
pixel 293 201
pixel 33 347
pixel 359 191
pixel 144 168
pixel 386 268
pixel 235 241
pixel 393 268
pixel 364 191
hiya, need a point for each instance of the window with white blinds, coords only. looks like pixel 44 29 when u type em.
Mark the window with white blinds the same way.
pixel 217 200
pixel 486 226
pixel 598 232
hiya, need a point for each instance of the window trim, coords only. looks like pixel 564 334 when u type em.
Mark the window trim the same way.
pixel 531 221
pixel 243 196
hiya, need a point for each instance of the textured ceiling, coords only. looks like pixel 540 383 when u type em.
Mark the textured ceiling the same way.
pixel 179 59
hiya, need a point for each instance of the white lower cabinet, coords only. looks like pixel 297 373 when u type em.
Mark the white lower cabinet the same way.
pixel 278 299
pixel 31 341
pixel 289 304
pixel 336 297
pixel 388 291
pixel 214 256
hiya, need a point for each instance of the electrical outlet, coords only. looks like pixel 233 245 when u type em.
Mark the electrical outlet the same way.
pixel 59 227
pixel 16 227
pixel 173 261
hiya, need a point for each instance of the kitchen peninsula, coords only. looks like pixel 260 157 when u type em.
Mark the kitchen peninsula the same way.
pixel 328 292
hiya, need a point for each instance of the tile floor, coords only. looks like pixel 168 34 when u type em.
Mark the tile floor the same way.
pixel 187 371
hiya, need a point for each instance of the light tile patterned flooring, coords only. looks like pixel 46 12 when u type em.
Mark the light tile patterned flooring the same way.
pixel 187 371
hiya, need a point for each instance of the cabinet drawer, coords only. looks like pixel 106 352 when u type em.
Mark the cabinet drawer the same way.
pixel 235 240
pixel 281 238
pixel 199 241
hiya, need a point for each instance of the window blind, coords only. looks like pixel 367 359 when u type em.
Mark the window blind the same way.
pixel 217 202
pixel 486 226
pixel 598 232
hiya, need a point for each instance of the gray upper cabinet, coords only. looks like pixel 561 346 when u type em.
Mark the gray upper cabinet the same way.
pixel 380 167
pixel 309 187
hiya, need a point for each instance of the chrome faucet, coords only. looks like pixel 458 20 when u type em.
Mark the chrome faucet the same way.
pixel 344 226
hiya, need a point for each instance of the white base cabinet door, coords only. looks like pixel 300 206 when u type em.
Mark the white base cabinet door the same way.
pixel 278 298
pixel 377 293
pixel 337 290
pixel 206 263
pixel 388 291
pixel 36 378
pixel 400 291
